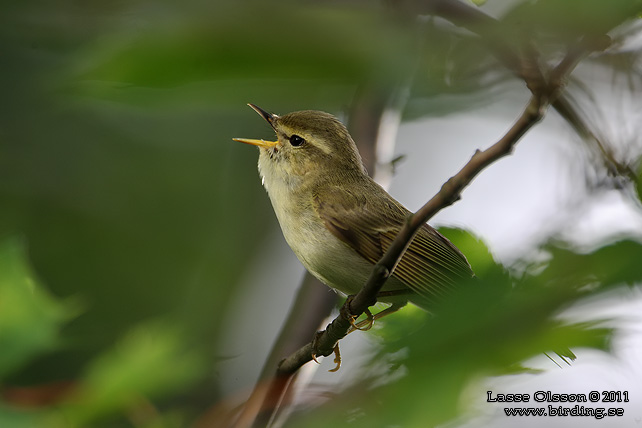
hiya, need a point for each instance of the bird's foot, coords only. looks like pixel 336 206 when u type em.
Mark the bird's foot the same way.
pixel 337 353
pixel 362 325
pixel 337 358
pixel 369 322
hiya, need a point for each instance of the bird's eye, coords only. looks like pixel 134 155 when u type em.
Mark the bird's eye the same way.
pixel 296 141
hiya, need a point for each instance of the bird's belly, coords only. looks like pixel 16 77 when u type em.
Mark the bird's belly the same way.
pixel 336 264
pixel 326 257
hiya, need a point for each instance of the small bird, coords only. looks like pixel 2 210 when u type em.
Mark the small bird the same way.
pixel 338 221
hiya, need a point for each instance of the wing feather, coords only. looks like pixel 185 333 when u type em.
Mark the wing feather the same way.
pixel 431 267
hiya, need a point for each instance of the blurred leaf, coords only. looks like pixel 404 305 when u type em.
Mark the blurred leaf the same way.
pixel 30 319
pixel 612 265
pixel 476 251
pixel 231 43
pixel 150 362
pixel 134 371
pixel 116 166
pixel 11 418
pixel 139 212
pixel 490 329
pixel 571 19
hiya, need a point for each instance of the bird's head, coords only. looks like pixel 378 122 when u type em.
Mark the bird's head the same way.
pixel 308 143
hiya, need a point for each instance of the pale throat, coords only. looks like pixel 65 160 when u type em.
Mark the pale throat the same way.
pixel 283 186
pixel 292 202
pixel 276 174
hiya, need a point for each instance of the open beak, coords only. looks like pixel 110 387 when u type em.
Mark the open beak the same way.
pixel 270 118
pixel 260 143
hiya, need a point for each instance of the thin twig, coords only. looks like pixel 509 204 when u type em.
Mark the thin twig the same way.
pixel 475 20
pixel 614 167
pixel 449 193
pixel 270 393
pixel 545 90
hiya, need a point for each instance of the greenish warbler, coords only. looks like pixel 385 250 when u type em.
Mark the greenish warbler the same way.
pixel 338 221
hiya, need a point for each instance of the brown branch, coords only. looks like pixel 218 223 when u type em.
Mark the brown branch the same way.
pixel 545 89
pixel 473 19
pixel 486 26
pixel 614 167
pixel 567 111
pixel 449 193
pixel 269 392
pixel 272 392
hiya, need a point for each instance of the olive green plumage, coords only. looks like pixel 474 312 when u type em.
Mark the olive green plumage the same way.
pixel 338 221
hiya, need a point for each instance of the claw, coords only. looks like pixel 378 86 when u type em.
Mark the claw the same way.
pixel 314 346
pixel 337 359
pixel 337 354
pixel 368 322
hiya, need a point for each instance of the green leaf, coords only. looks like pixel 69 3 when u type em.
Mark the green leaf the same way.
pixel 612 265
pixel 476 251
pixel 216 54
pixel 427 364
pixel 150 362
pixel 30 318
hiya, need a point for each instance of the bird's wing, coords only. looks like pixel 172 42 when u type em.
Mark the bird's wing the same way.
pixel 431 266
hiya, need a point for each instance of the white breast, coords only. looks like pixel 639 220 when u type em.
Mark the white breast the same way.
pixel 332 261
pixel 322 254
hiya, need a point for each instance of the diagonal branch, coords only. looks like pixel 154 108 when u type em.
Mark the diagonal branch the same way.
pixel 545 84
pixel 545 90
pixel 449 193
pixel 488 27
pixel 265 405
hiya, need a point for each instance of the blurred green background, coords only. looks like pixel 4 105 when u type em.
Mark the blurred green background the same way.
pixel 128 217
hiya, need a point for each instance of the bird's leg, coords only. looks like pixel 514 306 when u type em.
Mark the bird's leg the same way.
pixel 368 322
pixel 337 353
pixel 364 325
pixel 371 319
pixel 337 358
